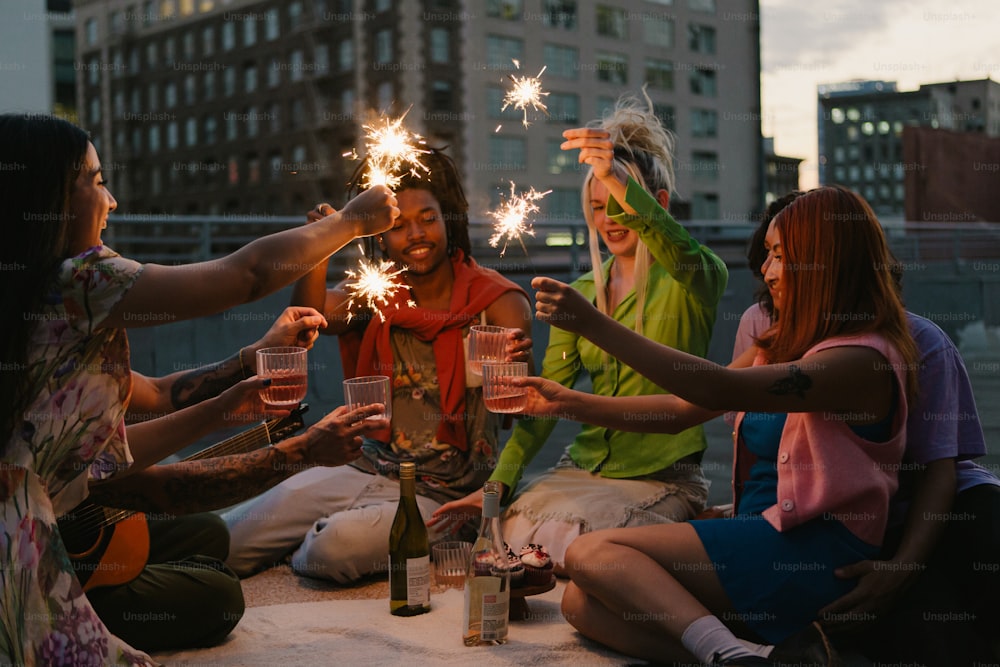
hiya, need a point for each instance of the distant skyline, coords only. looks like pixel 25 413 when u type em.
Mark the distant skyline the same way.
pixel 911 42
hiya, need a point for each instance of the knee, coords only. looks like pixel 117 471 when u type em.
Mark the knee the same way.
pixel 212 534
pixel 344 547
pixel 222 608
pixel 585 555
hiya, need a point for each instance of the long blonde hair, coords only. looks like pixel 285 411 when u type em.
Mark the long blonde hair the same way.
pixel 645 149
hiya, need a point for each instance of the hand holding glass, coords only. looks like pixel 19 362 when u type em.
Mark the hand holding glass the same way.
pixel 362 391
pixel 499 394
pixel 486 343
pixel 286 368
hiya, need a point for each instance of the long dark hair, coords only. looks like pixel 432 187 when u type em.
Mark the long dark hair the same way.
pixel 442 180
pixel 40 158
pixel 756 254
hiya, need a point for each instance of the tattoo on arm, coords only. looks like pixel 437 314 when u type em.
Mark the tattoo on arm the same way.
pixel 796 383
pixel 206 382
pixel 197 486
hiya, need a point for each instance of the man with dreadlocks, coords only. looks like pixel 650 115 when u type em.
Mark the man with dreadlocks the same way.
pixel 337 521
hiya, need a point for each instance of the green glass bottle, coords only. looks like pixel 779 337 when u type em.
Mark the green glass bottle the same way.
pixel 409 552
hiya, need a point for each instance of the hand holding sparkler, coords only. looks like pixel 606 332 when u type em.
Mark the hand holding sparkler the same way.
pixel 511 217
pixel 598 150
pixel 372 211
pixel 526 91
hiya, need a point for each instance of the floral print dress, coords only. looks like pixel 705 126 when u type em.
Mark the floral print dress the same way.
pixel 80 379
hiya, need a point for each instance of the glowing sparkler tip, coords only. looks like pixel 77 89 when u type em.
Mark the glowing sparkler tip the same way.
pixel 526 91
pixel 511 217
pixel 373 284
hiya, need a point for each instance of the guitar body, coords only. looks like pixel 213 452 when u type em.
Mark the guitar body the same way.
pixel 110 547
pixel 113 555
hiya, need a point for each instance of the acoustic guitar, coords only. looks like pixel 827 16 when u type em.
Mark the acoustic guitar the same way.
pixel 110 547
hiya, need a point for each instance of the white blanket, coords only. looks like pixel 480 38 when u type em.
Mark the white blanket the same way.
pixel 363 632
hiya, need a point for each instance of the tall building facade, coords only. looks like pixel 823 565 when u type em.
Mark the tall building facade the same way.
pixel 246 106
pixel 37 59
pixel 861 124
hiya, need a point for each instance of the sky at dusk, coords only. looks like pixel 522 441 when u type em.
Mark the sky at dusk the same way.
pixel 911 42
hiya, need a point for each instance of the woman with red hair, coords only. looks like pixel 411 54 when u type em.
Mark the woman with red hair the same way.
pixel 822 399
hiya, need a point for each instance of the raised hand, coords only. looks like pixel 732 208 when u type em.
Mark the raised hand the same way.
pixel 297 326
pixel 372 211
pixel 596 150
pixel 561 306
pixel 545 397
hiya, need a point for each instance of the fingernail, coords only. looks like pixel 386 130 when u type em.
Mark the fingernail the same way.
pixel 267 382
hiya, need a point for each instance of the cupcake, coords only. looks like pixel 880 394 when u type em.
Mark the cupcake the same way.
pixel 515 566
pixel 537 565
pixel 483 564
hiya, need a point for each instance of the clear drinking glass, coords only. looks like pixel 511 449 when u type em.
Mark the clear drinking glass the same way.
pixel 486 343
pixel 368 389
pixel 287 369
pixel 499 394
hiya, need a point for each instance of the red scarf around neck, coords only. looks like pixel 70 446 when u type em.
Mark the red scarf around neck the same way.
pixel 370 352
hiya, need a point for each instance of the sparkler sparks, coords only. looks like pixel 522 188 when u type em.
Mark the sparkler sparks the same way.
pixel 374 283
pixel 392 151
pixel 527 91
pixel 511 218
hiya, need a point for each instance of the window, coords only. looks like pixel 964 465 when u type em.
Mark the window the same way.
pixel 666 115
pixel 321 58
pixel 233 170
pixel 296 66
pixel 191 132
pixel 152 59
pixel 95 110
pixel 207 41
pixel 703 82
pixel 172 135
pixel 90 32
pixel 152 97
pixel 252 121
pixel 249 77
pixel 187 45
pixel 658 31
pixel 702 5
pixel 562 61
pixel 274 166
pixel 209 126
pixel 208 85
pixel 559 14
pixel 563 108
pixel 660 74
pixel 274 118
pixel 272 25
pixel 228 36
pixel 510 10
pixel 253 168
pixel 93 71
pixel 704 123
pixel 837 115
pixel 347 103
pixel 867 128
pixel 345 55
pixel 169 52
pixel 564 204
pixel 558 160
pixel 604 105
pixel 611 22
pixel 386 96
pixel 274 74
pixel 441 95
pixel 383 46
pixel 701 38
pixel 502 51
pixel 249 30
pixel 154 139
pixel 507 153
pixel 494 106
pixel 705 165
pixel 705 206
pixel 295 15
pixel 232 129
pixel 170 95
pixel 440 46
pixel 229 81
pixel 190 89
pixel 612 67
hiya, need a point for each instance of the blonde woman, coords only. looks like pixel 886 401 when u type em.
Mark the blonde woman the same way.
pixel 658 281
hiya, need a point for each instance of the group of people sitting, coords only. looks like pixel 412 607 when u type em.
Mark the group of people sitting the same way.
pixel 859 520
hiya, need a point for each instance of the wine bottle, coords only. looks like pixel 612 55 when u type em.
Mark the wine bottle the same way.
pixel 409 553
pixel 487 581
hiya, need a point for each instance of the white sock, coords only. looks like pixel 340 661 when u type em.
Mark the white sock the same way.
pixel 708 639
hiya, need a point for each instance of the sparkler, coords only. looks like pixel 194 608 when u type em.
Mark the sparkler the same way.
pixel 374 283
pixel 392 150
pixel 527 91
pixel 511 218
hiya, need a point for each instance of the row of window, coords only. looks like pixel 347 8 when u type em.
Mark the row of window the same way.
pixel 563 13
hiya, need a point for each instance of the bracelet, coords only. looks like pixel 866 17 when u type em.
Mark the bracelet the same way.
pixel 243 368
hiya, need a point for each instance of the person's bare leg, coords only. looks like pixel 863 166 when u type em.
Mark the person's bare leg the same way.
pixel 638 589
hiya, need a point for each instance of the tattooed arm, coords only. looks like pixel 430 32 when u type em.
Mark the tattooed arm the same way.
pixel 207 484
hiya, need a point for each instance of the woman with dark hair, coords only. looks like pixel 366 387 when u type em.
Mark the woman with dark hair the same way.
pixel 341 518
pixel 658 281
pixel 67 382
pixel 825 393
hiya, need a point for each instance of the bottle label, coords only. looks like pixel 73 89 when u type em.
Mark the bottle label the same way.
pixel 418 581
pixel 486 608
pixel 495 613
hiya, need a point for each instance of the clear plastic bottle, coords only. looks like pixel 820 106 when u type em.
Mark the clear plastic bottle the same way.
pixel 409 552
pixel 487 581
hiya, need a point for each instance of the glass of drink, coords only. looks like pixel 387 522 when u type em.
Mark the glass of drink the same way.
pixel 368 389
pixel 499 394
pixel 451 560
pixel 286 367
pixel 486 343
